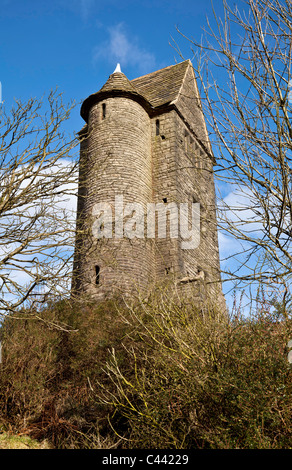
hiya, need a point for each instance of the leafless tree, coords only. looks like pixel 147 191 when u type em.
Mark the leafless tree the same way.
pixel 243 67
pixel 37 183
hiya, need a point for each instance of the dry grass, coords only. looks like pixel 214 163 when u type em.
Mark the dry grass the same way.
pixel 11 441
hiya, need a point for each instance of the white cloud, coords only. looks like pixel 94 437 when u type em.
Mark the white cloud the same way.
pixel 86 6
pixel 242 208
pixel 228 246
pixel 82 8
pixel 119 47
pixel 237 212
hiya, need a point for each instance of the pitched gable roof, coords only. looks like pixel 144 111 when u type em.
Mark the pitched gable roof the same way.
pixel 163 86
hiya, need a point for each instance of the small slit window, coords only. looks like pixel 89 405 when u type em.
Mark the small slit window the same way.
pixel 186 138
pixel 157 127
pixel 189 143
pixel 103 110
pixel 97 276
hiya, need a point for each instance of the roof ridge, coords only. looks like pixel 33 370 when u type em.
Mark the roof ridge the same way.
pixel 182 83
pixel 160 70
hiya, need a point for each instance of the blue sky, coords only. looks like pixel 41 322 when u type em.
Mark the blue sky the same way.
pixel 75 44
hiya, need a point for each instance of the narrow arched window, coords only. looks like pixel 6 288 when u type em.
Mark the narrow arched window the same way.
pixel 157 127
pixel 103 110
pixel 97 278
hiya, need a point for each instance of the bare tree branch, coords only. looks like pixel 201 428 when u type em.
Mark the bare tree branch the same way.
pixel 38 172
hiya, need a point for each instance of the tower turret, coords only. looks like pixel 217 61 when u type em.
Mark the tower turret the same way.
pixel 115 170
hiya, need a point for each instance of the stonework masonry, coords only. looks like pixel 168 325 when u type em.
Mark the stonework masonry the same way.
pixel 146 140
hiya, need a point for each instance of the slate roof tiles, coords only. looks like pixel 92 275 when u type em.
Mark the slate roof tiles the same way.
pixel 163 86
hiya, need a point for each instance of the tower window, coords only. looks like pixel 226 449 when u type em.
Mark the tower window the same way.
pixel 189 142
pixel 103 110
pixel 186 140
pixel 164 200
pixel 97 277
pixel 157 127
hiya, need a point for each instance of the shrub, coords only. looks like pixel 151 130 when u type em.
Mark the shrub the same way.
pixel 192 378
pixel 47 367
pixel 157 373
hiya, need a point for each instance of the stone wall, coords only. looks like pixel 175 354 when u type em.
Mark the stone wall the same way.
pixel 118 162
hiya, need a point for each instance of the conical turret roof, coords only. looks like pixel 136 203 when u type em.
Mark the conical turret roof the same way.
pixel 118 81
pixel 116 85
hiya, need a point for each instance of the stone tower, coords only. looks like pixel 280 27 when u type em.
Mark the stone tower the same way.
pixel 145 157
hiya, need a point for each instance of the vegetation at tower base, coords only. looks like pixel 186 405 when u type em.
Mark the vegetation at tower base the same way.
pixel 150 374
